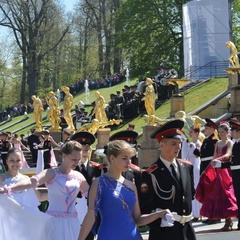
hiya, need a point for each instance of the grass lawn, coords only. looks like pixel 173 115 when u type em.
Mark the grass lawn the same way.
pixel 193 99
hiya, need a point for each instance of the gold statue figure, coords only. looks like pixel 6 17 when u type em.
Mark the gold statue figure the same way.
pixel 67 105
pixel 94 125
pixel 233 59
pixel 54 112
pixel 153 120
pixel 37 112
pixel 149 98
pixel 99 109
pixel 189 121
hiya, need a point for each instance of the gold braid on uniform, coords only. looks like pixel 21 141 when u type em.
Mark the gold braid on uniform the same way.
pixel 156 185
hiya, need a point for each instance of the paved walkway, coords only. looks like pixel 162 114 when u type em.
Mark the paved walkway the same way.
pixel 211 232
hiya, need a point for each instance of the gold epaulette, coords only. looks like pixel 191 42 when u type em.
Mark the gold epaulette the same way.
pixel 135 167
pixel 185 161
pixel 95 164
pixel 152 168
pixel 103 165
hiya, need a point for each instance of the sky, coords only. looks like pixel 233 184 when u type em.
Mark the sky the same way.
pixel 69 4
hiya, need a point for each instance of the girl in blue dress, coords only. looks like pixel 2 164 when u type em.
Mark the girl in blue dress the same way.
pixel 116 199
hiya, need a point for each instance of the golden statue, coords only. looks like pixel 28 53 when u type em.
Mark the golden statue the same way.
pixel 67 106
pixel 149 98
pixel 37 112
pixel 233 59
pixel 189 121
pixel 153 120
pixel 99 109
pixel 54 112
pixel 94 125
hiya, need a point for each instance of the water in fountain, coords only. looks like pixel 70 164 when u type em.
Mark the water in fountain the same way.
pixel 86 86
pixel 127 74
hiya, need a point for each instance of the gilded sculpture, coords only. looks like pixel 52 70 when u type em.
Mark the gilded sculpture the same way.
pixel 149 98
pixel 99 109
pixel 67 106
pixel 37 112
pixel 54 112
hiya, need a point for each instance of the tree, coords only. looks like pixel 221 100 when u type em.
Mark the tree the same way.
pixel 32 22
pixel 152 34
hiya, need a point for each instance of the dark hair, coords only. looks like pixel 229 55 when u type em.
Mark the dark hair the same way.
pixel 115 147
pixel 195 129
pixel 13 150
pixel 224 127
pixel 71 146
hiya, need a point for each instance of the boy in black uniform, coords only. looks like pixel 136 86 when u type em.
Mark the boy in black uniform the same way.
pixel 168 184
pixel 208 146
pixel 6 145
pixel 234 164
pixel 89 169
pixel 33 141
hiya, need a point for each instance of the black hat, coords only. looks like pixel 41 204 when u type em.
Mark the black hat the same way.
pixel 83 138
pixel 118 92
pixel 234 124
pixel 126 135
pixel 170 129
pixel 210 123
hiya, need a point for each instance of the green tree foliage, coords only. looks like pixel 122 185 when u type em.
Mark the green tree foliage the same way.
pixel 152 34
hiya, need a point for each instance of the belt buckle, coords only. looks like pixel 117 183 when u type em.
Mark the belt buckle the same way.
pixel 183 220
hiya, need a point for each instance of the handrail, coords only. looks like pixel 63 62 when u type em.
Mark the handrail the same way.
pixel 215 68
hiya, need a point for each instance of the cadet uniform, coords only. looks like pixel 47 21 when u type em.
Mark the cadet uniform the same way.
pixel 89 169
pixel 208 146
pixel 6 145
pixel 33 140
pixel 163 188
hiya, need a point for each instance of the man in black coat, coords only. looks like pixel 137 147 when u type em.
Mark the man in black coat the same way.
pixel 208 146
pixel 234 164
pixel 5 146
pixel 33 140
pixel 89 169
pixel 168 184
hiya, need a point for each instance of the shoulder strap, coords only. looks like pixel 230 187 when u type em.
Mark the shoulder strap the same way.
pixel 152 168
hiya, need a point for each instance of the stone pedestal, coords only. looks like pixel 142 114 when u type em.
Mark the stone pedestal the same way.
pixel 235 100
pixel 149 150
pixel 177 104
pixel 103 136
pixel 233 77
pixel 57 136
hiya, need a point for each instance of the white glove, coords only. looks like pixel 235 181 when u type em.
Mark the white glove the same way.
pixel 169 222
pixel 216 163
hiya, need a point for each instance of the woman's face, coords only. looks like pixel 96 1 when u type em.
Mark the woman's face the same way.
pixel 222 133
pixel 14 161
pixel 122 160
pixel 192 133
pixel 72 160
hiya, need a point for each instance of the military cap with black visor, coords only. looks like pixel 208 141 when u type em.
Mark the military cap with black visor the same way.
pixel 88 168
pixel 168 184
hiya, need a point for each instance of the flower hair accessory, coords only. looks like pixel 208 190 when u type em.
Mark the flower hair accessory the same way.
pixel 224 123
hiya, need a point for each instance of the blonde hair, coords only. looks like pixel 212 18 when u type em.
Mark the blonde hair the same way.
pixel 116 147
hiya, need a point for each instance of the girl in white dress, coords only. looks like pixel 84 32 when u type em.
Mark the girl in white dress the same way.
pixel 195 143
pixel 16 142
pixel 63 184
pixel 19 205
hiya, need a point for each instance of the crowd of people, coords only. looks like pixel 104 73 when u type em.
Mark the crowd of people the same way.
pixel 76 88
pixel 167 196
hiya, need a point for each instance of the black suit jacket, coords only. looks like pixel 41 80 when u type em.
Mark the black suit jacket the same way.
pixel 160 190
pixel 89 173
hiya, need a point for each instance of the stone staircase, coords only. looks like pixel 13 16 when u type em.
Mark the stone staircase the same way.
pixel 28 157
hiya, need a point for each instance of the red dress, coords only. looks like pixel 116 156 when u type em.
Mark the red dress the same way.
pixel 215 191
